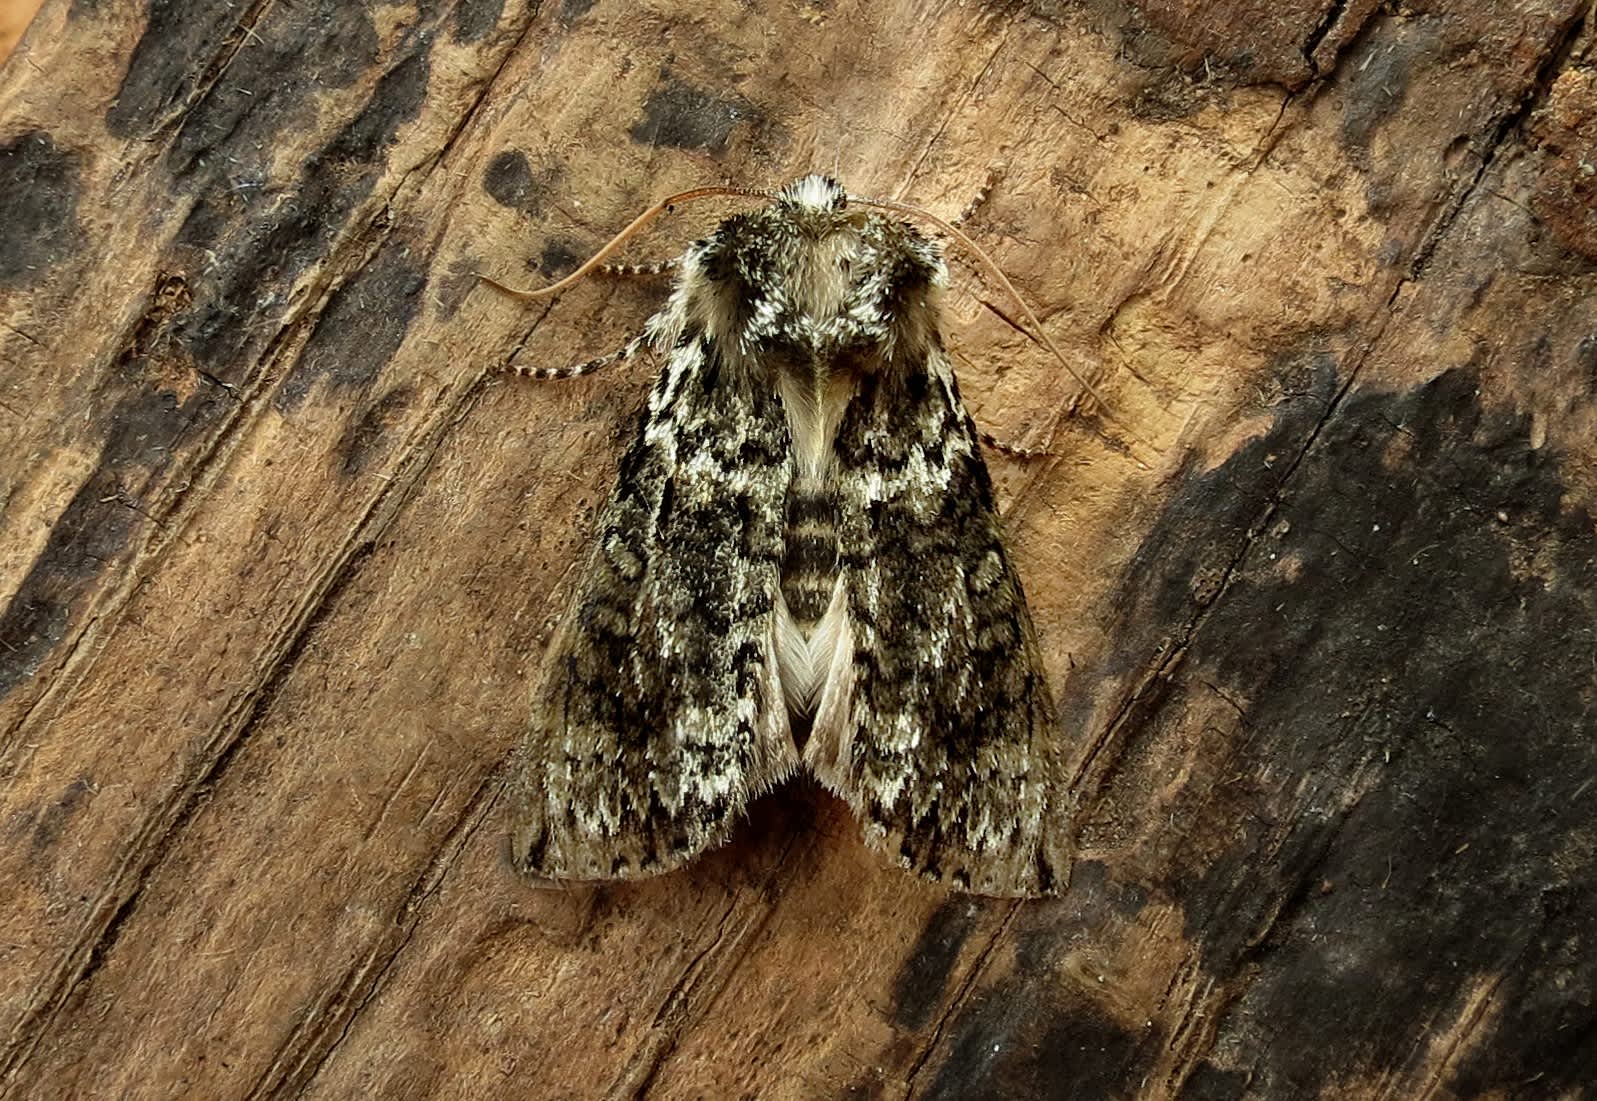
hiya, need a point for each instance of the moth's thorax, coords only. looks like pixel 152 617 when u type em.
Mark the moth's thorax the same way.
pixel 820 277
pixel 810 278
pixel 806 296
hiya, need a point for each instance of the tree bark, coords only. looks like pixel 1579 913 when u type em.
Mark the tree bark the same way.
pixel 281 547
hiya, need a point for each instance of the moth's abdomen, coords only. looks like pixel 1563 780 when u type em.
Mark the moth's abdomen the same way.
pixel 809 563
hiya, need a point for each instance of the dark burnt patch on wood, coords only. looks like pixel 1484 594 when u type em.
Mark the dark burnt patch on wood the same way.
pixel 276 77
pixel 362 326
pixel 38 206
pixel 1012 1041
pixel 922 982
pixel 1209 1083
pixel 475 18
pixel 146 424
pixel 47 825
pixel 1241 43
pixel 1190 54
pixel 1181 565
pixel 364 441
pixel 1375 86
pixel 1411 639
pixel 513 182
pixel 154 402
pixel 173 55
pixel 1095 900
pixel 681 116
pixel 255 246
pixel 558 258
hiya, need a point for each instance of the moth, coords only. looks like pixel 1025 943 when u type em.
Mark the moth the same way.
pixel 800 567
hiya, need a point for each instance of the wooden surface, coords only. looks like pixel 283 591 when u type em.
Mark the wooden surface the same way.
pixel 280 550
pixel 14 18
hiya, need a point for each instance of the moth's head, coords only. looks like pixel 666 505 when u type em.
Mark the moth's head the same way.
pixel 814 194
pixel 815 207
pixel 811 269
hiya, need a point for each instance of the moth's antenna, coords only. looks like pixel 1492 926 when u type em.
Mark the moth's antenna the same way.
pixel 638 225
pixel 997 273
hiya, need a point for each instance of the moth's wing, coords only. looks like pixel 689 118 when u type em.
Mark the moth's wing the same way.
pixel 935 723
pixel 661 712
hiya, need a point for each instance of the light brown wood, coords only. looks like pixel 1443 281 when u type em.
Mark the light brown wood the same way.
pixel 280 548
pixel 15 15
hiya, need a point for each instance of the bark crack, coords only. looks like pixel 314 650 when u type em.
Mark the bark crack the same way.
pixel 1317 35
pixel 977 968
pixel 699 984
pixel 149 847
pixel 1509 125
pixel 323 1029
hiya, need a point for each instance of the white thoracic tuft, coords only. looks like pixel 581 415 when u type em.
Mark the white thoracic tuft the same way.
pixel 816 192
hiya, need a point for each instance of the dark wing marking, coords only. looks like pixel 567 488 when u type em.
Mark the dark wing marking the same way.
pixel 939 729
pixel 661 713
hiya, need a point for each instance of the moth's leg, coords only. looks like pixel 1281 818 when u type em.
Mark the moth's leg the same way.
pixel 983 193
pixel 628 271
pixel 549 374
pixel 992 441
pixel 577 370
pixel 1013 450
pixel 994 174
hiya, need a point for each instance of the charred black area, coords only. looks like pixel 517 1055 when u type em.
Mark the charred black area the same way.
pixel 921 985
pixel 513 182
pixel 362 327
pixel 475 18
pixel 96 525
pixel 1181 563
pixel 1012 1042
pixel 179 41
pixel 38 207
pixel 362 442
pixel 684 117
pixel 247 239
pixel 1021 1038
pixel 1411 635
pixel 44 828
pixel 260 236
pixel 557 259
pixel 1210 1083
